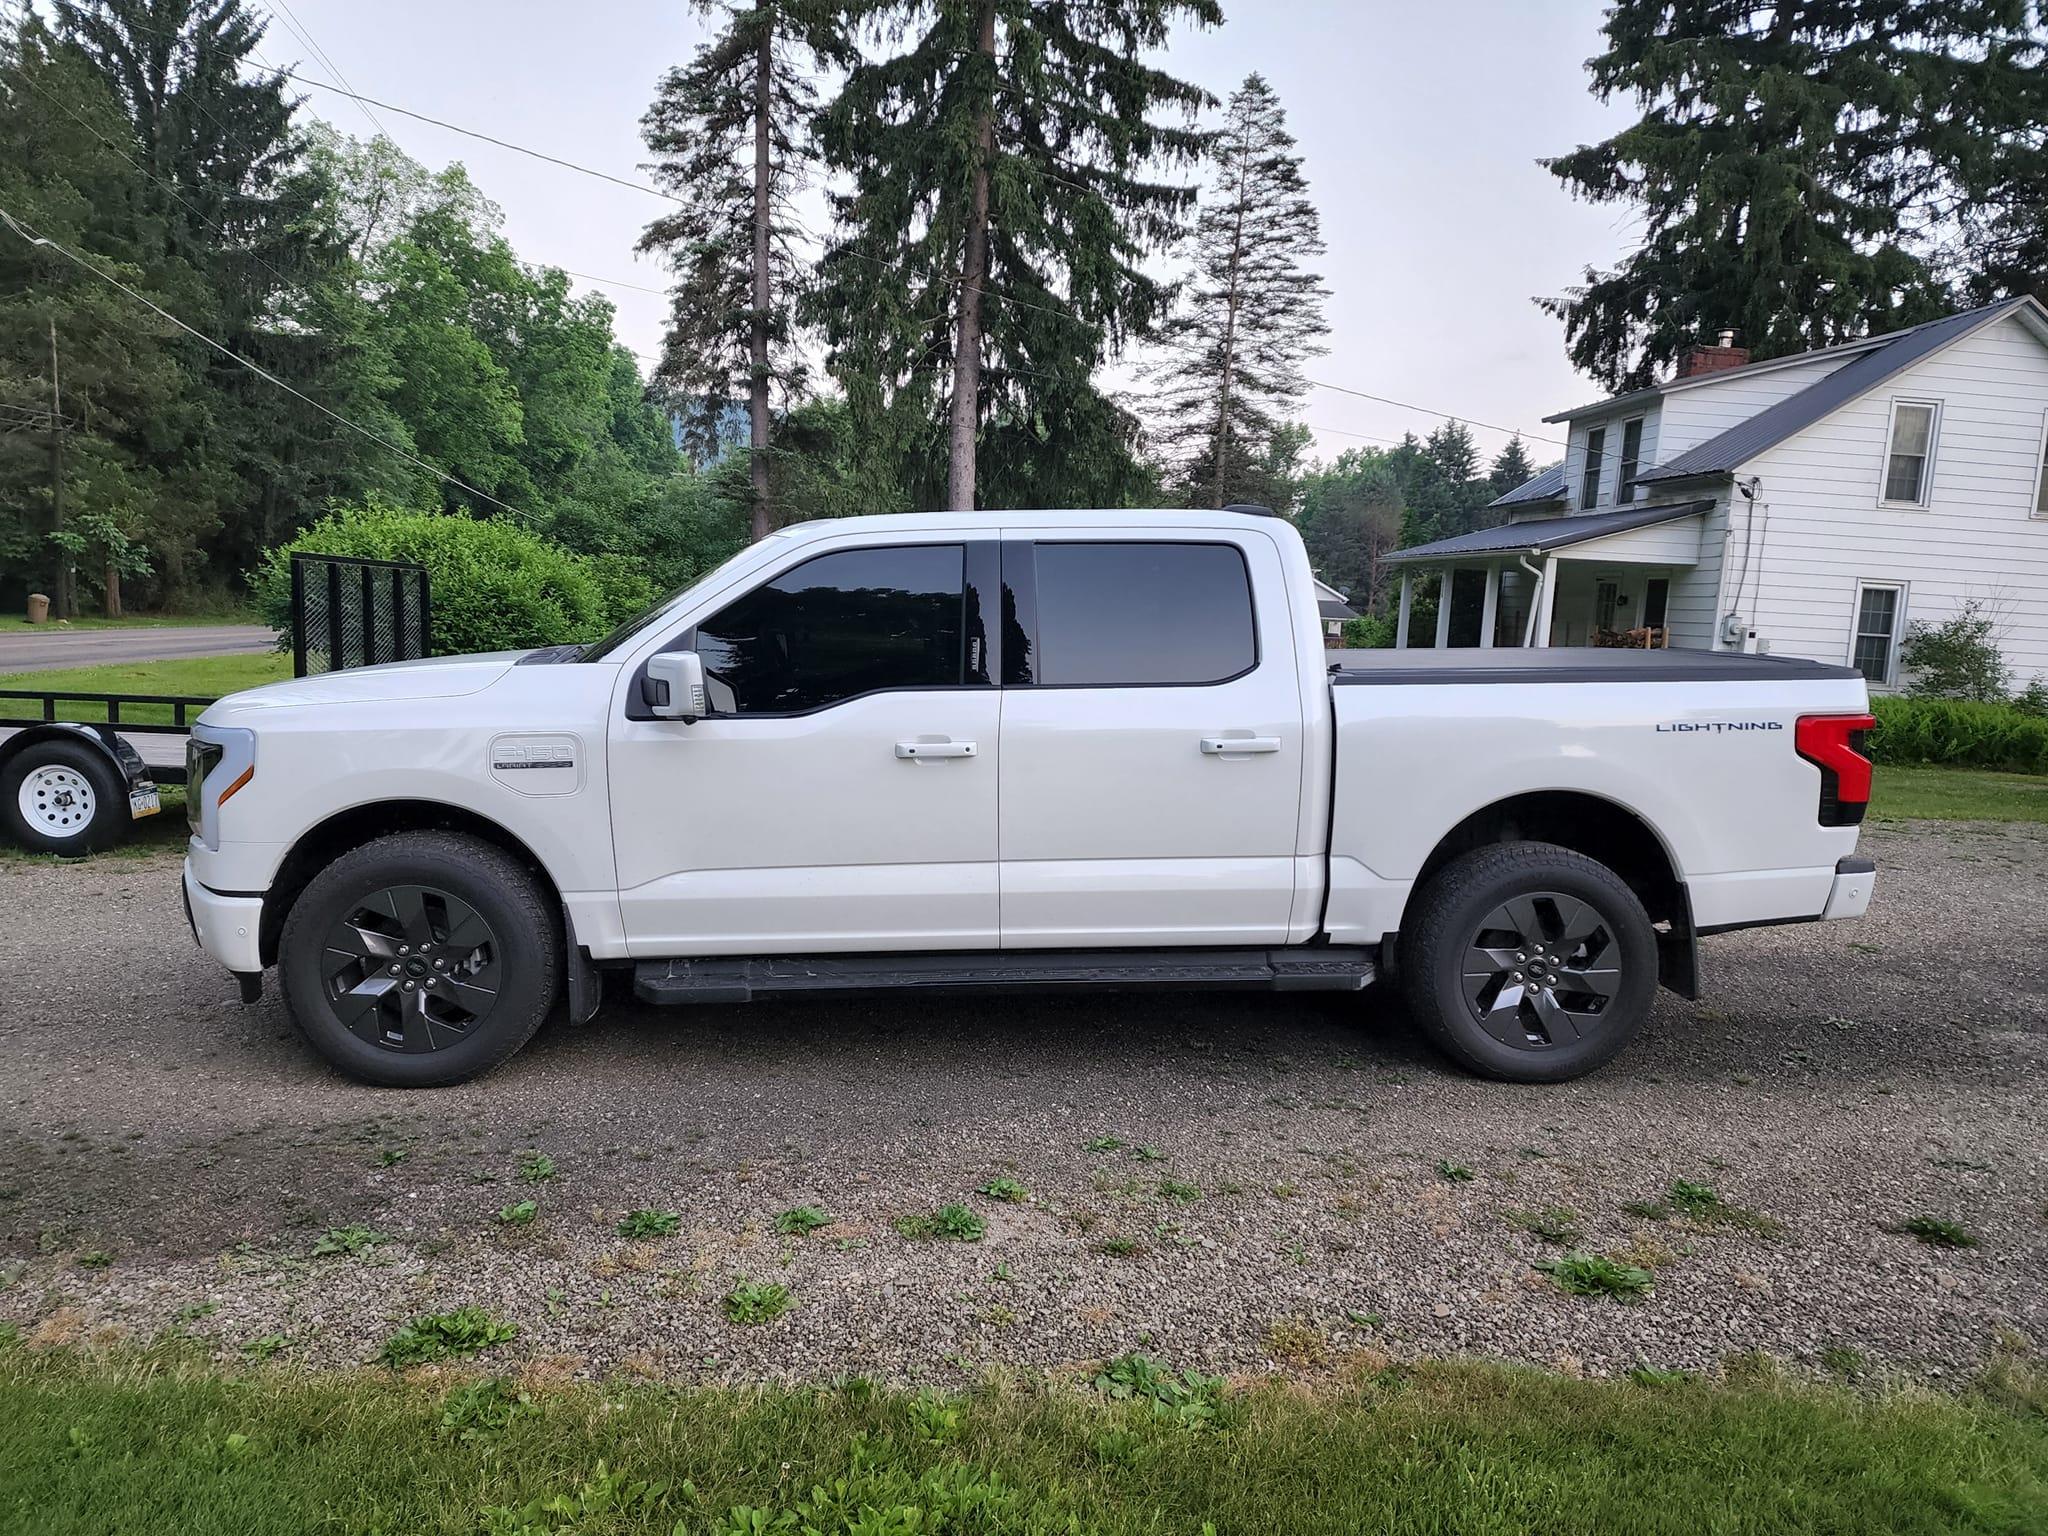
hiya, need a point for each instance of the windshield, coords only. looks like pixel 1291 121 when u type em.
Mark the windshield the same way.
pixel 635 625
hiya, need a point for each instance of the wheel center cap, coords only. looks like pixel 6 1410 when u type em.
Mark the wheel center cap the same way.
pixel 416 967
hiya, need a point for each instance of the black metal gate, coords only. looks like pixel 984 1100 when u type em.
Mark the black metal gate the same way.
pixel 349 612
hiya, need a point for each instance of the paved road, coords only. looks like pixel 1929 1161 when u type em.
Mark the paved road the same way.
pixel 1233 1181
pixel 40 650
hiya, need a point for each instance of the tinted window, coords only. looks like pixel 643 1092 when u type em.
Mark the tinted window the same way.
pixel 843 624
pixel 1119 614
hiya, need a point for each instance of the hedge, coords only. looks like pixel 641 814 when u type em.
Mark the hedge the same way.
pixel 496 585
pixel 1959 733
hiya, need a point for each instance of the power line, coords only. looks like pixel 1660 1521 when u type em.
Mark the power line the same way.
pixel 37 239
pixel 304 33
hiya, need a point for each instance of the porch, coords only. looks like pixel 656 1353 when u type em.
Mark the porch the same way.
pixel 1598 579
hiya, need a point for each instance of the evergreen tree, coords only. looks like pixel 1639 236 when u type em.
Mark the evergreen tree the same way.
pixel 730 132
pixel 1003 194
pixel 1512 466
pixel 1255 309
pixel 1787 164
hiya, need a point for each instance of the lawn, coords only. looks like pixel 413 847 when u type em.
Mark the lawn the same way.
pixel 14 623
pixel 1957 794
pixel 205 677
pixel 159 1442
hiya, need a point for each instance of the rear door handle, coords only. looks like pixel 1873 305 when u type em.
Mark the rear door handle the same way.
pixel 922 749
pixel 1217 746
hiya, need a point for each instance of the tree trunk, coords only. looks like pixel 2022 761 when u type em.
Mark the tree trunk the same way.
pixel 966 415
pixel 113 590
pixel 757 383
pixel 65 601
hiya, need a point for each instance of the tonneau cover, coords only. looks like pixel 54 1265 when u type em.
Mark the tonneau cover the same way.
pixel 1573 664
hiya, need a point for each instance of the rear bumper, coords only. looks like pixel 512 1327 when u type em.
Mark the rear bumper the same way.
pixel 1855 878
pixel 229 928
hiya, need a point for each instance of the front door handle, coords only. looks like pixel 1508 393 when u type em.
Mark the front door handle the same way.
pixel 923 749
pixel 1218 746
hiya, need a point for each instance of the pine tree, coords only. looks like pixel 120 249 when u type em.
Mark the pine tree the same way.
pixel 730 132
pixel 1512 466
pixel 1789 161
pixel 1255 309
pixel 1004 192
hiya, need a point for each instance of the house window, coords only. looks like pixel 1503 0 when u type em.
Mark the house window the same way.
pixel 1909 458
pixel 1606 598
pixel 1656 599
pixel 1874 647
pixel 1631 459
pixel 2041 491
pixel 1596 456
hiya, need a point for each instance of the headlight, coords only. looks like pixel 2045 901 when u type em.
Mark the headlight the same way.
pixel 201 758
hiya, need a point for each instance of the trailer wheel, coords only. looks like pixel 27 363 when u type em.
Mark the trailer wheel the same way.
pixel 1529 962
pixel 420 959
pixel 63 797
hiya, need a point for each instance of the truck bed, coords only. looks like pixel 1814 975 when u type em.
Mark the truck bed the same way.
pixel 1559 664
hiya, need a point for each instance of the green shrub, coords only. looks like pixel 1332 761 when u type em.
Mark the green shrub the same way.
pixel 496 585
pixel 1957 660
pixel 1959 733
pixel 1369 632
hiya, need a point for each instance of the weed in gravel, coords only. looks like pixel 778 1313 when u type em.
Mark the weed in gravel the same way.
pixel 643 1224
pixel 1359 1319
pixel 1647 1210
pixel 1296 1341
pixel 94 1258
pixel 934 1419
pixel 476 1410
pixel 1840 1360
pixel 1105 1144
pixel 1007 1190
pixel 999 1316
pixel 1002 1272
pixel 442 1335
pixel 1148 1154
pixel 1179 1191
pixel 349 1241
pixel 391 1157
pixel 1554 1224
pixel 265 1347
pixel 1935 1232
pixel 1187 1398
pixel 1120 1247
pixel 755 1301
pixel 521 1214
pixel 536 1167
pixel 952 1223
pixel 193 1311
pixel 801 1221
pixel 1453 1173
pixel 1703 1203
pixel 1593 1274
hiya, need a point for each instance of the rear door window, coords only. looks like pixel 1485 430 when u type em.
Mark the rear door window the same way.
pixel 1120 615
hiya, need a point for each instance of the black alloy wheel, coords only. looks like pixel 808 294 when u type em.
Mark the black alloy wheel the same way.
pixel 412 968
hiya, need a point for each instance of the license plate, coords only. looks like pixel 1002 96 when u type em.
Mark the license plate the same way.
pixel 143 802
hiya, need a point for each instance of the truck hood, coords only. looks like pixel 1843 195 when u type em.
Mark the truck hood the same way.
pixel 437 677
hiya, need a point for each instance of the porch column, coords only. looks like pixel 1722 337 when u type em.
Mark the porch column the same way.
pixel 1489 613
pixel 1401 625
pixel 1443 608
pixel 1546 601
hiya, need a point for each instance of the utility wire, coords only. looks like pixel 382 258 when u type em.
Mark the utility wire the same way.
pixel 36 239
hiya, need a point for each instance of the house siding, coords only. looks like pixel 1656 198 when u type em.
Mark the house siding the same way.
pixel 1819 528
pixel 1693 613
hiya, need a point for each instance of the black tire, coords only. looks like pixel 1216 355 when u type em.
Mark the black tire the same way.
pixel 63 769
pixel 396 1017
pixel 1575 982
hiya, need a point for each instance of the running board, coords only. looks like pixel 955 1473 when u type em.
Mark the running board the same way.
pixel 739 980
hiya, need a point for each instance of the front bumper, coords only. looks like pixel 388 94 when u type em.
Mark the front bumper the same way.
pixel 229 928
pixel 1855 878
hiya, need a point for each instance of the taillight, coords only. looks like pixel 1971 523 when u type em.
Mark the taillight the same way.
pixel 1834 744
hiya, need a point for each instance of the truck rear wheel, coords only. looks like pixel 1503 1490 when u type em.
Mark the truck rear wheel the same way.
pixel 1529 962
pixel 420 959
pixel 63 797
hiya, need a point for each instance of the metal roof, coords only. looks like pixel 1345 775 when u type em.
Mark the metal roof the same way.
pixel 1768 428
pixel 1335 610
pixel 1548 486
pixel 1550 532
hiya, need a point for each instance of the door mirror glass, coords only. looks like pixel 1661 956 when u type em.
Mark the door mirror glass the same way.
pixel 673 688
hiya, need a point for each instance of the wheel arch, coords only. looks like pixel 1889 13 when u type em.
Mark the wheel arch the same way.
pixel 1604 830
pixel 326 841
pixel 69 731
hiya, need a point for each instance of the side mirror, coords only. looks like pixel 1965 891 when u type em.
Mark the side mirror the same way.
pixel 674 687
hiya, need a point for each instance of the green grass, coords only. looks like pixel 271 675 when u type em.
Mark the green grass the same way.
pixel 160 1443
pixel 206 677
pixel 1957 794
pixel 14 623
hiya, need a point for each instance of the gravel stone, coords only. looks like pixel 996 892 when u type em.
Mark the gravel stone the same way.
pixel 1838 1079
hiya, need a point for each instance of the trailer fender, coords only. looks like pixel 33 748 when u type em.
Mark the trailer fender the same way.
pixel 124 759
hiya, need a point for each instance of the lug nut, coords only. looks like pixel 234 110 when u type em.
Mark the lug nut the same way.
pixel 440 965
pixel 408 986
pixel 394 970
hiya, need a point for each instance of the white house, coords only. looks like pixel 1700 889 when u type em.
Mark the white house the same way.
pixel 1811 506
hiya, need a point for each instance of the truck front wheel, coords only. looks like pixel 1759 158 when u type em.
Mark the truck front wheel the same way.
pixel 420 959
pixel 1528 962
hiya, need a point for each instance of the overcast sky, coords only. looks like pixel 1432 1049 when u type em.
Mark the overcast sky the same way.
pixel 1421 125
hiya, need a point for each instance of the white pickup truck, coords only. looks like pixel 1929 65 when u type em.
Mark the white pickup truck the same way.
pixel 998 751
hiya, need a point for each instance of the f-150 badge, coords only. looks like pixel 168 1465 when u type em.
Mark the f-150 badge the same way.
pixel 538 764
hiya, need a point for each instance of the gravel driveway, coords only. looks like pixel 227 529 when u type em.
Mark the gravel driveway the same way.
pixel 1234 1182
